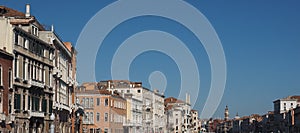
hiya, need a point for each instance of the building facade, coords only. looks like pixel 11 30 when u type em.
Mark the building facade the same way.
pixel 64 80
pixel 133 122
pixel 196 124
pixel 296 120
pixel 105 111
pixel 32 71
pixel 39 56
pixel 282 109
pixel 150 115
pixel 178 115
pixel 6 60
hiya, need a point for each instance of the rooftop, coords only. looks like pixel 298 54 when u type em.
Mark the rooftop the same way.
pixel 289 98
pixel 9 12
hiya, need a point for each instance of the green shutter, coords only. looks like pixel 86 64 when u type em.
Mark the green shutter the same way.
pixel 50 106
pixel 37 104
pixel 44 105
pixel 29 103
pixel 17 101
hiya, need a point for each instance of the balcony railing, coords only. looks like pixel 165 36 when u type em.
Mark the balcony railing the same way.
pixel 56 72
pixel 2 116
pixel 26 52
pixel 10 118
pixel 65 107
pixel 132 124
pixel 37 84
pixel 36 114
pixel 147 107
pixel 70 81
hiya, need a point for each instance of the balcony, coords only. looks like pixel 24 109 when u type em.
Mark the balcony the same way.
pixel 128 124
pixel 56 72
pixel 26 52
pixel 188 115
pixel 2 116
pixel 136 110
pixel 132 124
pixel 37 84
pixel 65 107
pixel 10 118
pixel 148 121
pixel 70 81
pixel 36 114
pixel 147 107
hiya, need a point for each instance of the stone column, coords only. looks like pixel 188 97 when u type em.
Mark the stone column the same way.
pixel 26 100
pixel 40 103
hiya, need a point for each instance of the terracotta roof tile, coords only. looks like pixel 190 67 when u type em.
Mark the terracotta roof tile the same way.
pixel 68 45
pixel 8 12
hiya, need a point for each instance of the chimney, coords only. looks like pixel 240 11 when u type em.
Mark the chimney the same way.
pixel 27 14
pixel 186 97
pixel 52 28
pixel 189 99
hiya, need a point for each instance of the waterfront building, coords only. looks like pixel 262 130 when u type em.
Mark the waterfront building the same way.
pixel 43 73
pixel 105 111
pixel 6 88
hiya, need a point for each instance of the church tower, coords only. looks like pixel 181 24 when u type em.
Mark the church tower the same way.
pixel 226 113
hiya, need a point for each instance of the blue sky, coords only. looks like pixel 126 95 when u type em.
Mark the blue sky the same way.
pixel 261 41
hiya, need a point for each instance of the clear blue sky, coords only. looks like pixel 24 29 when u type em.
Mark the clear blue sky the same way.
pixel 261 41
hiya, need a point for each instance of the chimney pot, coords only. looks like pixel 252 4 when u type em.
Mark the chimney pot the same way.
pixel 27 14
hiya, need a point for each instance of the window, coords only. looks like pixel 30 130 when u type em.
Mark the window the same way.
pixel 98 117
pixel 86 118
pixel 29 107
pixel 24 68
pixel 50 107
pixel 91 117
pixel 17 102
pixel 44 105
pixel 16 66
pixel 9 78
pixel 105 130
pixel 128 91
pixel 25 43
pixel 35 103
pixel 1 75
pixel 111 117
pixel 91 102
pixel 106 102
pixel 86 102
pixel 98 101
pixel 106 117
pixel 83 102
pixel 34 31
pixel 16 39
pixel 23 100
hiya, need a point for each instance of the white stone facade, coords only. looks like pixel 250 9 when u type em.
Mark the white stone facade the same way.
pixel 145 109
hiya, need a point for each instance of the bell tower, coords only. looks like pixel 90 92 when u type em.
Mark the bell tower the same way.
pixel 226 113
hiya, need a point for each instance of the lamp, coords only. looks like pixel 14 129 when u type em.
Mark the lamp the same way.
pixel 52 117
